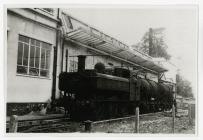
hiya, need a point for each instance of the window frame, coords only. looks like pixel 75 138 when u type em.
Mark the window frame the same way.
pixel 73 66
pixel 27 74
pixel 46 11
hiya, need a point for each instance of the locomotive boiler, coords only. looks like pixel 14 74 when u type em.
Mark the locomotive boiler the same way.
pixel 100 93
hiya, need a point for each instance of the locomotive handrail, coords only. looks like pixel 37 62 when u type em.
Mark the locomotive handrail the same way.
pixel 163 81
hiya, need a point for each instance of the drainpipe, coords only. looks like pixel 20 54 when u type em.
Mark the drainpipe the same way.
pixel 62 53
pixel 53 95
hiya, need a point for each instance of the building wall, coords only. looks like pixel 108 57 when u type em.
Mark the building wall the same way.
pixel 27 88
pixel 170 75
pixel 75 50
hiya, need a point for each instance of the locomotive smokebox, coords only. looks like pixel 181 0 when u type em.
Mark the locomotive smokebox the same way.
pixel 81 63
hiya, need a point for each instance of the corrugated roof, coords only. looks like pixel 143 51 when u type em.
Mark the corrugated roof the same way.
pixel 98 40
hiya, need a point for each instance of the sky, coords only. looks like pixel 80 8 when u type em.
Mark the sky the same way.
pixel 129 23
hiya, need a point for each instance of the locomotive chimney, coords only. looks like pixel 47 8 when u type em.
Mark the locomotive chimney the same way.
pixel 81 63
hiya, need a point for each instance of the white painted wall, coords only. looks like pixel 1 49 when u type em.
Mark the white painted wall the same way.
pixel 75 50
pixel 170 75
pixel 26 88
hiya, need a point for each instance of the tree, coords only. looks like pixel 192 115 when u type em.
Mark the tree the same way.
pixel 153 44
pixel 183 87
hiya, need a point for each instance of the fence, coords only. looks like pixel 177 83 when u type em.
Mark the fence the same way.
pixel 189 108
pixel 14 122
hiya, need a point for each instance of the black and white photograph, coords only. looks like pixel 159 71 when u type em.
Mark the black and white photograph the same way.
pixel 107 69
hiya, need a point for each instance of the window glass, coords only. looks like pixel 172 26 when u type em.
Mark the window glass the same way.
pixel 37 53
pixel 20 53
pixel 47 59
pixel 42 58
pixel 24 39
pixel 37 43
pixel 25 56
pixel 22 69
pixel 32 42
pixel 45 45
pixel 32 56
pixel 44 73
pixel 73 66
pixel 34 71
pixel 49 10
pixel 37 57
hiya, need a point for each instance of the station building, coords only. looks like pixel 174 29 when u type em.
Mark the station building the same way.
pixel 43 42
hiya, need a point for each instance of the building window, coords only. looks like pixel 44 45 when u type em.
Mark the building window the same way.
pixel 73 66
pixel 33 57
pixel 48 10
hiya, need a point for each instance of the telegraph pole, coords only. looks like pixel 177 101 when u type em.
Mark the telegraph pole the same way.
pixel 151 42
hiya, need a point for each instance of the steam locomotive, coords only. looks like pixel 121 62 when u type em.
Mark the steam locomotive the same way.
pixel 100 93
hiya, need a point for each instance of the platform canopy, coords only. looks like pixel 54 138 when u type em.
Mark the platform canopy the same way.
pixel 97 40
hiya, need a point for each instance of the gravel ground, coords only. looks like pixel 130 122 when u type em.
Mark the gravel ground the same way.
pixel 152 124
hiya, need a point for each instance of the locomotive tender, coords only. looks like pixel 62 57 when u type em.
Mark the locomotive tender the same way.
pixel 97 94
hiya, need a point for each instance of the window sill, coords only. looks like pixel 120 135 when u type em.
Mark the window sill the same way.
pixel 31 76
